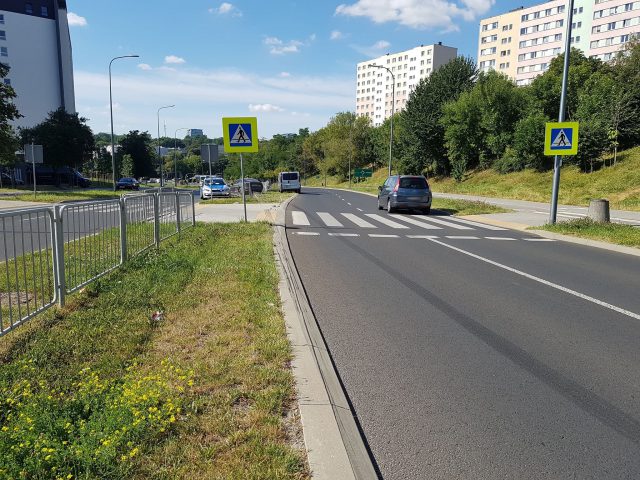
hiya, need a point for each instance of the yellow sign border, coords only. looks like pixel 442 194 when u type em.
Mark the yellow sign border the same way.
pixel 575 126
pixel 253 121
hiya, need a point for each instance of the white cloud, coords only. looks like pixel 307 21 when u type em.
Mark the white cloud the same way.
pixel 145 66
pixel 265 107
pixel 336 35
pixel 198 93
pixel 419 14
pixel 76 20
pixel 174 59
pixel 226 8
pixel 374 50
pixel 278 47
pixel 284 74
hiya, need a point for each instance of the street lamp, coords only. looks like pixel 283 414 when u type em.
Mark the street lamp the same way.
pixel 175 158
pixel 160 157
pixel 113 152
pixel 393 108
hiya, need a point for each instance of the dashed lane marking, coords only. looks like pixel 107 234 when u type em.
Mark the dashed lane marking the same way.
pixel 428 237
pixel 462 237
pixel 332 234
pixel 499 238
pixel 380 235
pixel 309 234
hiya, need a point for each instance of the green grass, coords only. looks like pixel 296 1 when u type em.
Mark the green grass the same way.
pixel 267 197
pixel 626 235
pixel 65 195
pixel 98 390
pixel 465 207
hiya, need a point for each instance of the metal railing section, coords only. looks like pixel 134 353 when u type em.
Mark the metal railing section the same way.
pixel 139 211
pixel 186 209
pixel 28 282
pixel 167 215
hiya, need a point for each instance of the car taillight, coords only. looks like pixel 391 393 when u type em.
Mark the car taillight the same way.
pixel 395 189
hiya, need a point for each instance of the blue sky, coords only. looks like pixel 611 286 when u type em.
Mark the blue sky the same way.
pixel 290 63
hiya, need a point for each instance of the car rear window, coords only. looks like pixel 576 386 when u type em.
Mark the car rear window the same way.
pixel 413 182
pixel 215 182
pixel 289 176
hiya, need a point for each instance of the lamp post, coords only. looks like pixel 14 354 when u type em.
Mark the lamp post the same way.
pixel 113 152
pixel 159 157
pixel 393 108
pixel 175 158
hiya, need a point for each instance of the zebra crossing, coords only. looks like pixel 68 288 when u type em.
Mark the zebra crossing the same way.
pixel 407 223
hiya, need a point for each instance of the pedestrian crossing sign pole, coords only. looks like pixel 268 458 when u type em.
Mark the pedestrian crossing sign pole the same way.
pixel 561 138
pixel 240 135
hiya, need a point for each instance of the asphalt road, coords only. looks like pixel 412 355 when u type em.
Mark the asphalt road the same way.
pixel 474 353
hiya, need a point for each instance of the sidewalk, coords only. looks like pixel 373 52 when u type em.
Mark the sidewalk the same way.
pixel 222 213
pixel 535 214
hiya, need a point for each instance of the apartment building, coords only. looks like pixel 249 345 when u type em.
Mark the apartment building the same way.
pixel 522 42
pixel 374 86
pixel 35 43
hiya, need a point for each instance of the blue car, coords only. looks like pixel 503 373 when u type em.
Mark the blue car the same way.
pixel 214 187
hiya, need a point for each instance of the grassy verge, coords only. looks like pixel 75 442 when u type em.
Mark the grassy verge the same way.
pixel 62 196
pixel 267 197
pixel 99 390
pixel 626 235
pixel 465 207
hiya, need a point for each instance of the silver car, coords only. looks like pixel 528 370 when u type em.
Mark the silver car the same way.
pixel 405 192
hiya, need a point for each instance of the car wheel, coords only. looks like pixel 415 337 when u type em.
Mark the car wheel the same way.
pixel 389 208
pixel 379 206
pixel 426 211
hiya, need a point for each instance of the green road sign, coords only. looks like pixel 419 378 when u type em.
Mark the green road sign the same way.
pixel 363 172
pixel 561 138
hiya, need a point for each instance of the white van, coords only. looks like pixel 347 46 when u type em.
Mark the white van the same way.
pixel 289 181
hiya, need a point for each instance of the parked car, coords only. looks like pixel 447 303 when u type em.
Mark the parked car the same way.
pixel 214 187
pixel 7 181
pixel 405 192
pixel 289 181
pixel 127 183
pixel 250 185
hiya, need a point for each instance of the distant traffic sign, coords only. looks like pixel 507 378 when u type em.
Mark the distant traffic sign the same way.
pixel 561 138
pixel 363 173
pixel 240 134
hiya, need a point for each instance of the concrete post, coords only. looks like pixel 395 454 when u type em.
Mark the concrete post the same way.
pixel 599 210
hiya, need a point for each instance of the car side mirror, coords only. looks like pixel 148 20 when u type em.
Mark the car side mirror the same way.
pixel 380 188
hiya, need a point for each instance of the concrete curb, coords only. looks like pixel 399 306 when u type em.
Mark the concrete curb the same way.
pixel 497 223
pixel 335 448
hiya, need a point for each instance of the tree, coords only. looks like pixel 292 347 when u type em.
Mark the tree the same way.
pixel 127 166
pixel 65 137
pixel 138 146
pixel 425 145
pixel 8 112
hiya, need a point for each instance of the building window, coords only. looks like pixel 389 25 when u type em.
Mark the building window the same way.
pixel 44 11
pixel 1 19
pixel 4 52
pixel 3 35
pixel 28 8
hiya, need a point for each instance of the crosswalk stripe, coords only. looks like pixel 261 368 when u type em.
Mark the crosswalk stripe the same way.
pixel 380 235
pixel 461 237
pixel 358 221
pixel 329 220
pixel 416 222
pixel 386 221
pixel 442 222
pixel 476 224
pixel 300 218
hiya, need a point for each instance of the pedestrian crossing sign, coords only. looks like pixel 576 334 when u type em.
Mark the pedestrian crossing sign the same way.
pixel 561 138
pixel 240 134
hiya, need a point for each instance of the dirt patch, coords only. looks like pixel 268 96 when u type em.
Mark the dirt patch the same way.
pixel 15 298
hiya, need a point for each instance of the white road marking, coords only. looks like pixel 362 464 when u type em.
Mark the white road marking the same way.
pixel 386 221
pixel 428 218
pixel 575 293
pixel 359 209
pixel 358 221
pixel 331 234
pixel 310 234
pixel 462 237
pixel 538 240
pixel 476 224
pixel 380 235
pixel 299 218
pixel 428 237
pixel 499 238
pixel 348 203
pixel 416 222
pixel 329 220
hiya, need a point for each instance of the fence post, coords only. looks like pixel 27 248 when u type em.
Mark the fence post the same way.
pixel 58 254
pixel 123 231
pixel 193 210
pixel 156 219
pixel 177 194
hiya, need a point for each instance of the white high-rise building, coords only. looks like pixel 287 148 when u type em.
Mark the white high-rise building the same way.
pixel 522 42
pixel 374 92
pixel 35 43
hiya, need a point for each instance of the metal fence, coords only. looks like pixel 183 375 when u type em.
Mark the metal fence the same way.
pixel 49 252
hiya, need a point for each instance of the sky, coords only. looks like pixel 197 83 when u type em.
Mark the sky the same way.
pixel 289 63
